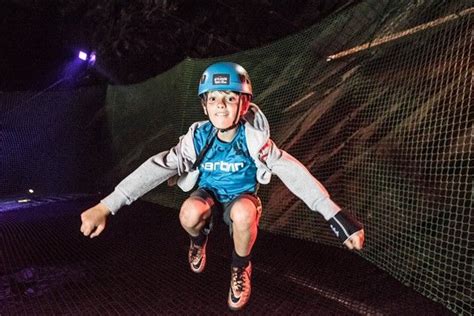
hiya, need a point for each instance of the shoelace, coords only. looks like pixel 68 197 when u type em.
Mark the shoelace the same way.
pixel 238 278
pixel 196 252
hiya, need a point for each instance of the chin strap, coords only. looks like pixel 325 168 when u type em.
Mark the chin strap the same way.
pixel 223 130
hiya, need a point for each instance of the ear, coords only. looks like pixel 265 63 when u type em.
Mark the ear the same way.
pixel 203 104
pixel 245 106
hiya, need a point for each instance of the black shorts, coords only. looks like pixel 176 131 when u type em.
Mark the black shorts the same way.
pixel 222 210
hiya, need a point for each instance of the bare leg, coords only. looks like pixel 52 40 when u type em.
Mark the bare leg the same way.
pixel 244 226
pixel 193 215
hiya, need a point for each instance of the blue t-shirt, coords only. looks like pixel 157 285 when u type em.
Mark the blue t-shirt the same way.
pixel 227 169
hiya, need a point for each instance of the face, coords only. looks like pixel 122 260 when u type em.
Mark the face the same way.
pixel 222 107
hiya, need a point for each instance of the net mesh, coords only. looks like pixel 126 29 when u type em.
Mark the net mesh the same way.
pixel 376 101
pixel 50 141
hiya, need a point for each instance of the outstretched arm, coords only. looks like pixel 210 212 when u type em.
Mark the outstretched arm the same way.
pixel 300 182
pixel 146 177
pixel 150 174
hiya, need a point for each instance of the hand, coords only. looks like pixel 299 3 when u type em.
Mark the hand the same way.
pixel 94 219
pixel 356 241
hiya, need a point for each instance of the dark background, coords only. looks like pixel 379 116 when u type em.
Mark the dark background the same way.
pixel 137 40
pixel 55 135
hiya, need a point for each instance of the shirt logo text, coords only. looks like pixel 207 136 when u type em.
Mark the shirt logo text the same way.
pixel 222 166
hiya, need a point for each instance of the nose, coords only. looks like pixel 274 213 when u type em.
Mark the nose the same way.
pixel 221 103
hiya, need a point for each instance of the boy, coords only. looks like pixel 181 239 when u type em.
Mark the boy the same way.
pixel 227 157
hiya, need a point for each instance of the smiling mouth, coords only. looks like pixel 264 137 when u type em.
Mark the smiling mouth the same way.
pixel 221 114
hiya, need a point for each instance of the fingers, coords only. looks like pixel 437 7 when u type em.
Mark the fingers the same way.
pixel 361 240
pixel 93 221
pixel 348 244
pixel 98 230
pixel 356 241
pixel 86 229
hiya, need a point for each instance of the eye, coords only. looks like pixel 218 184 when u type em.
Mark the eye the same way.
pixel 211 99
pixel 232 99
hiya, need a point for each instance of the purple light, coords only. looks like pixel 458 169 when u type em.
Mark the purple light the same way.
pixel 92 58
pixel 82 55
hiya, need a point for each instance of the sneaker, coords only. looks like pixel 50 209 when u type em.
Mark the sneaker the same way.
pixel 197 256
pixel 240 287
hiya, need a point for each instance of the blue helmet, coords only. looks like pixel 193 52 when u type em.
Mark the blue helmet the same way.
pixel 225 76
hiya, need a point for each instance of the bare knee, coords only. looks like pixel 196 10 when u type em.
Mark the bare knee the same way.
pixel 243 214
pixel 193 211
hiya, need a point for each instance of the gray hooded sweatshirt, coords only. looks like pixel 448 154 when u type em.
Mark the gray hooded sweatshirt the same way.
pixel 268 158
